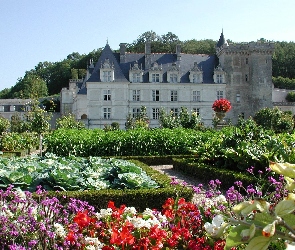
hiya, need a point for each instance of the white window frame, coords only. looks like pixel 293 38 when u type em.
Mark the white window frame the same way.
pixel 107 75
pixel 219 78
pixel 156 95
pixel 155 77
pixel 173 96
pixel 107 95
pixel 219 94
pixel 107 113
pixel 155 113
pixel 136 77
pixel 196 96
pixel 136 95
pixel 173 77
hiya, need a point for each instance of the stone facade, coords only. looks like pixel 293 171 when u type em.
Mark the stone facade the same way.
pixel 118 84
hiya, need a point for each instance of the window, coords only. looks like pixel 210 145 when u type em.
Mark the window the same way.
pixel 156 95
pixel 135 112
pixel 173 96
pixel 106 95
pixel 155 77
pixel 196 110
pixel 246 61
pixel 246 78
pixel 136 77
pixel 238 98
pixel 156 113
pixel 173 78
pixel 219 94
pixel 219 78
pixel 196 96
pixel 136 95
pixel 195 78
pixel 107 76
pixel 1 108
pixel 174 111
pixel 106 113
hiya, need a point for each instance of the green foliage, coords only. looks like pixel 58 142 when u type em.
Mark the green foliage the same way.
pixel 69 122
pixel 283 83
pixel 4 124
pixel 37 119
pixel 283 60
pixel 30 86
pixel 69 174
pixel 184 119
pixel 18 141
pixel 290 96
pixel 140 121
pixel 120 142
pixel 274 119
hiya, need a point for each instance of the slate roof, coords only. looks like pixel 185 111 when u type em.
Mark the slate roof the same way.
pixel 206 63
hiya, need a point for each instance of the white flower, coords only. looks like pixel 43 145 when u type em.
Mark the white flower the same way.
pixel 130 210
pixel 215 229
pixel 20 193
pixel 59 229
pixel 95 244
pixel 104 213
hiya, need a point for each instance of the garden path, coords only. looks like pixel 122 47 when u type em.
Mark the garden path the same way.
pixel 180 178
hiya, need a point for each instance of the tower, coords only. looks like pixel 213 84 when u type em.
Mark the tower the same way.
pixel 248 68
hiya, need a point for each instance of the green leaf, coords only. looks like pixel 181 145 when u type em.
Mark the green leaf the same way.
pixel 263 219
pixel 234 237
pixel 258 243
pixel 284 207
pixel 289 219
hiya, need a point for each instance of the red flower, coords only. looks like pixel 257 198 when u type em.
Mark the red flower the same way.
pixel 82 219
pixel 221 105
pixel 71 237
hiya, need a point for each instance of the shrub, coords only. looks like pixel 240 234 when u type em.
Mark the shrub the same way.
pixel 290 97
pixel 274 119
pixel 69 122
pixel 4 124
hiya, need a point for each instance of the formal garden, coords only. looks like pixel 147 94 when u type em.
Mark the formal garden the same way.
pixel 95 189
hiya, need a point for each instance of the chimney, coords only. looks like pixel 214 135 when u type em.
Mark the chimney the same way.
pixel 178 51
pixel 147 55
pixel 122 52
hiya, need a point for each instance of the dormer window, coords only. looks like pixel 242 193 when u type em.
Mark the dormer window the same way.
pixel 135 73
pixel 219 75
pixel 196 74
pixel 107 71
pixel 173 74
pixel 156 73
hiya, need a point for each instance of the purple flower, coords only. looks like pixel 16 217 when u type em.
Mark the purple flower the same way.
pixel 238 183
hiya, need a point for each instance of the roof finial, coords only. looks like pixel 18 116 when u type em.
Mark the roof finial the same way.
pixel 107 40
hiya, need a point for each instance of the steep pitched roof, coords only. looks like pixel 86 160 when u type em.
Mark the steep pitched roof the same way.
pixel 107 53
pixel 221 40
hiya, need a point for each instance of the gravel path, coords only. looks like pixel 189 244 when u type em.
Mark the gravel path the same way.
pixel 180 177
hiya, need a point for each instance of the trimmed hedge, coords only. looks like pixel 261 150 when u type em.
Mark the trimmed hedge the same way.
pixel 206 173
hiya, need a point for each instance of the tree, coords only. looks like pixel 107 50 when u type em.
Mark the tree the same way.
pixel 69 122
pixel 140 121
pixel 274 119
pixel 31 84
pixel 4 124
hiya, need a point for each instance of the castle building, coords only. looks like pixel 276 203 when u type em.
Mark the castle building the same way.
pixel 121 83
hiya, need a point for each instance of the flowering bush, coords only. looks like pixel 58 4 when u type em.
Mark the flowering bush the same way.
pixel 221 105
pixel 242 217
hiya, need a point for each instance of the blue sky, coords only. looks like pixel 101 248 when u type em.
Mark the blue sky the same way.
pixel 34 31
